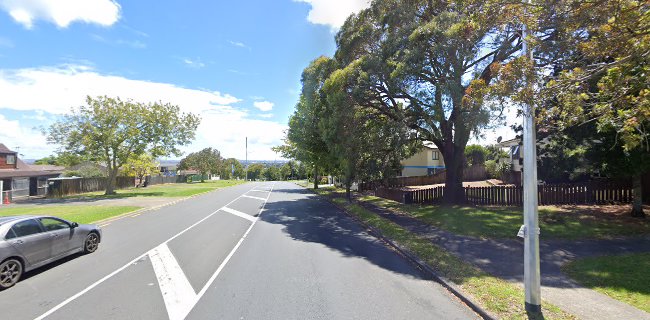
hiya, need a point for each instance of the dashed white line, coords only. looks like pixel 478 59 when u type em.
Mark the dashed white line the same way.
pixel 232 252
pixel 254 197
pixel 177 292
pixel 239 214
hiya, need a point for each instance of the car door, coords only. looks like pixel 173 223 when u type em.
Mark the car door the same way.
pixel 62 236
pixel 29 238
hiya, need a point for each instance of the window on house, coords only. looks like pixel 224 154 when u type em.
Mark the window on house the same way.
pixel 11 159
pixel 435 155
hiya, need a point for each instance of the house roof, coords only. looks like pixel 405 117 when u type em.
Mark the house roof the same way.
pixel 25 170
pixel 430 145
pixel 4 149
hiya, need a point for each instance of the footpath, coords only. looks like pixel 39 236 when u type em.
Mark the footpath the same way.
pixel 504 258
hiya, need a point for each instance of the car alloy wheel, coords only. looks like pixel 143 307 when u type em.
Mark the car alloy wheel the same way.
pixel 91 243
pixel 10 272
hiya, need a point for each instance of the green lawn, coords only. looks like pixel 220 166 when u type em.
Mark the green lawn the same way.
pixel 79 214
pixel 624 278
pixel 492 222
pixel 165 190
pixel 502 299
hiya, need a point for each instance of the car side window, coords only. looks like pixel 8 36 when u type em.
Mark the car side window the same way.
pixel 10 234
pixel 26 228
pixel 50 224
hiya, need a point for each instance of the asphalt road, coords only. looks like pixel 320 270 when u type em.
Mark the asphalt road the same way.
pixel 254 251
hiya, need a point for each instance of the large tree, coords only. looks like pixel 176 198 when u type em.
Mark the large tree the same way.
pixel 606 85
pixel 432 65
pixel 113 130
pixel 206 161
pixel 303 141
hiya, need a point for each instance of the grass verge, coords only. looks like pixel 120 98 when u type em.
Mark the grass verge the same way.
pixel 624 278
pixel 503 222
pixel 79 214
pixel 498 297
pixel 164 190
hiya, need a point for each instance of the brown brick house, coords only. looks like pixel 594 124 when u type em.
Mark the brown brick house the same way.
pixel 22 180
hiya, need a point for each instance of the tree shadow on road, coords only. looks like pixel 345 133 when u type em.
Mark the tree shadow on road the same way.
pixel 308 218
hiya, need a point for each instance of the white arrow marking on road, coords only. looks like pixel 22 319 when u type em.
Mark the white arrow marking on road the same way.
pixel 239 214
pixel 178 294
pixel 254 197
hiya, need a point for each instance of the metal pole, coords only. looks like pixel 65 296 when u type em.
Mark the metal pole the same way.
pixel 2 199
pixel 246 158
pixel 531 232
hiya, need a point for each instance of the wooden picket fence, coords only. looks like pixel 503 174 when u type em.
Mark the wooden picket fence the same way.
pixel 553 194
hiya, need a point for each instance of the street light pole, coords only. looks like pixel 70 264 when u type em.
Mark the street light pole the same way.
pixel 532 281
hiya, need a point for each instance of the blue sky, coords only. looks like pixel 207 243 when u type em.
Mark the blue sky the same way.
pixel 237 63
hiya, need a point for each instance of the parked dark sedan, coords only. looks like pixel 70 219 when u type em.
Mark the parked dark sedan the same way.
pixel 28 242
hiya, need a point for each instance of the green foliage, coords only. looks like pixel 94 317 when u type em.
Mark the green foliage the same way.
pixel 206 161
pixel 255 171
pixel 476 155
pixel 65 159
pixel 111 130
pixel 88 170
pixel 227 169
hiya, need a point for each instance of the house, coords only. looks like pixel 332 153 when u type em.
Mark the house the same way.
pixel 515 151
pixel 20 180
pixel 427 161
pixel 168 168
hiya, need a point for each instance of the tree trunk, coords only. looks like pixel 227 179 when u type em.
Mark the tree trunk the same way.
pixel 454 192
pixel 637 205
pixel 110 184
pixel 315 177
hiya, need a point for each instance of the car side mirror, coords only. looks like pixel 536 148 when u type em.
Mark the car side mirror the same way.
pixel 74 225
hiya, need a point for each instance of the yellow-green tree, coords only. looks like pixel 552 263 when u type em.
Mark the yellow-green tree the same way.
pixel 141 166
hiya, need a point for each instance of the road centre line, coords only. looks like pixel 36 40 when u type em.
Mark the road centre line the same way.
pixel 239 214
pixel 110 275
pixel 254 197
pixel 177 292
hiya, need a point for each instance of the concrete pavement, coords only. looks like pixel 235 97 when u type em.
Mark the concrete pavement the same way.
pixel 255 251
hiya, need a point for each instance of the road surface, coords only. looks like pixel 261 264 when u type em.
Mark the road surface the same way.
pixel 255 251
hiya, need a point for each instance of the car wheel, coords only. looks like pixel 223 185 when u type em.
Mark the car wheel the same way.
pixel 91 243
pixel 10 272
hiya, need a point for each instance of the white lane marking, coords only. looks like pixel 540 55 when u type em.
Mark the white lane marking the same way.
pixel 254 197
pixel 239 214
pixel 257 190
pixel 178 294
pixel 98 282
pixel 232 252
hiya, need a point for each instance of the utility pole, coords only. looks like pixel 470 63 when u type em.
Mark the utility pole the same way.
pixel 246 158
pixel 532 281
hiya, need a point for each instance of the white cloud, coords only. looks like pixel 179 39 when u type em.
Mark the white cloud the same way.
pixel 62 12
pixel 30 141
pixel 240 44
pixel 265 115
pixel 264 105
pixel 197 64
pixel 333 12
pixel 49 91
